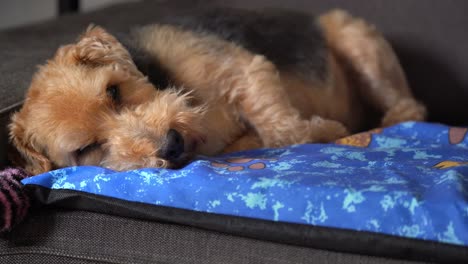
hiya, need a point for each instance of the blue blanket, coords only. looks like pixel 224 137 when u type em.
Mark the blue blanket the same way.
pixel 409 180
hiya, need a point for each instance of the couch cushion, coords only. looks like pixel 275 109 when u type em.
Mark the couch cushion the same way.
pixel 57 236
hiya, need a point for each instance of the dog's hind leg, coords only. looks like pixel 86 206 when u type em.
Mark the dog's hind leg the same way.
pixel 369 56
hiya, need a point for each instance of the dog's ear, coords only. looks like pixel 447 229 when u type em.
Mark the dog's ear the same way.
pixel 66 55
pixel 95 47
pixel 97 33
pixel 30 158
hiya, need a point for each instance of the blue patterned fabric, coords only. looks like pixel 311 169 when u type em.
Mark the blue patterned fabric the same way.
pixel 409 180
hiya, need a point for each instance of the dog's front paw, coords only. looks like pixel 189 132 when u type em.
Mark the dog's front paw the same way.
pixel 406 109
pixel 326 130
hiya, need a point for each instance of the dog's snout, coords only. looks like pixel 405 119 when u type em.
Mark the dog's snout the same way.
pixel 173 146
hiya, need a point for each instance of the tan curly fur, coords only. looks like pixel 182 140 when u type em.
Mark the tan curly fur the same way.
pixel 228 98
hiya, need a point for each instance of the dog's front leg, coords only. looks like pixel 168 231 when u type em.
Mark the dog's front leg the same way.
pixel 266 107
pixel 249 140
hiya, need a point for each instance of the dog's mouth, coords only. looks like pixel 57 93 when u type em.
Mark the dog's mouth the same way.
pixel 180 162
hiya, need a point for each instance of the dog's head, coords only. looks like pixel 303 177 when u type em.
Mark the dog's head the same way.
pixel 89 105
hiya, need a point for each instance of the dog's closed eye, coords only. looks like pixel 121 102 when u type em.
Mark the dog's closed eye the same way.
pixel 113 92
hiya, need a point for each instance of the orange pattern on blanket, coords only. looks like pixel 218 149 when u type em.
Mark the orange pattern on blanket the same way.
pixel 238 164
pixel 449 164
pixel 359 140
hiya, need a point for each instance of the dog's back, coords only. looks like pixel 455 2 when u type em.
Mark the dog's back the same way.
pixel 292 40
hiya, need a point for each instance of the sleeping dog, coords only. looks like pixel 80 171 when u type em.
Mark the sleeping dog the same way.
pixel 221 81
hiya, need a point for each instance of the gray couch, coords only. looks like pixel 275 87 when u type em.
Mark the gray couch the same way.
pixel 429 36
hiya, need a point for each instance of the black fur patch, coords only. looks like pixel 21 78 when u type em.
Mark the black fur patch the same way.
pixel 148 65
pixel 291 40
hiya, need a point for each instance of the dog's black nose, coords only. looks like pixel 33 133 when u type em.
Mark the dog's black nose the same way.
pixel 173 147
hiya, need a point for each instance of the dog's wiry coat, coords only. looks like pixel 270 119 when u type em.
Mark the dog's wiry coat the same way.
pixel 234 86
